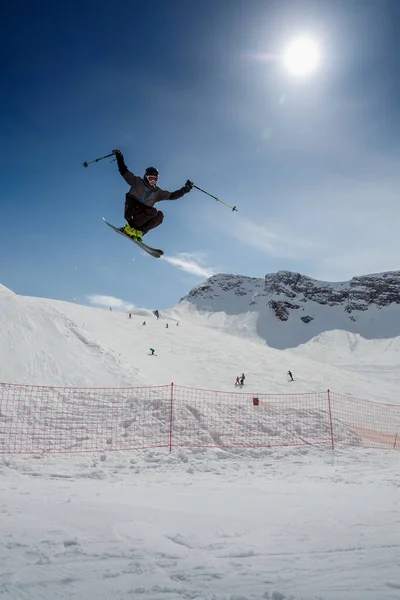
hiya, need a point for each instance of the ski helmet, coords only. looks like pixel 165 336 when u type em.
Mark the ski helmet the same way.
pixel 151 171
pixel 151 176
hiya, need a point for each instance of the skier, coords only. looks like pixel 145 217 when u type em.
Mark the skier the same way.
pixel 242 378
pixel 290 375
pixel 141 198
pixel 237 382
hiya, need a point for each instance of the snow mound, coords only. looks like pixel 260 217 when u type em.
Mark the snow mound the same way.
pixel 5 290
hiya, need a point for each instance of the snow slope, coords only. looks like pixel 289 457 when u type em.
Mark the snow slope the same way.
pixel 376 358
pixel 271 524
pixel 48 342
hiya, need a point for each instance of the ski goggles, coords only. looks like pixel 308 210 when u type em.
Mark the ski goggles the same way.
pixel 152 178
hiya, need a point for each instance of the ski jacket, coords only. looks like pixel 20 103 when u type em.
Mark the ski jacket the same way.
pixel 144 193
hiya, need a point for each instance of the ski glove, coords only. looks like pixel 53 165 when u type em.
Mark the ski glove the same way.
pixel 122 168
pixel 189 185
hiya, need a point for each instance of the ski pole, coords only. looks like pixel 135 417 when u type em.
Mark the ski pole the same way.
pixel 86 164
pixel 215 198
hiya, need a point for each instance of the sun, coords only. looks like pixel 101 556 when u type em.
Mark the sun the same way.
pixel 302 57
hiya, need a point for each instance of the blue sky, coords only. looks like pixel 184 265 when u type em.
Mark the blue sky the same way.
pixel 196 89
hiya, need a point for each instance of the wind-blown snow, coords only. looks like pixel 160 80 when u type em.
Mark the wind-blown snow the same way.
pixel 282 524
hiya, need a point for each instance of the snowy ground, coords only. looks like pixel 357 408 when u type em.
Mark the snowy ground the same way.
pixel 246 525
pixel 273 524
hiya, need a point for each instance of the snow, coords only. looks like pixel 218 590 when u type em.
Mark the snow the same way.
pixel 274 524
pixel 49 342
pixel 210 525
pixel 368 305
pixel 5 290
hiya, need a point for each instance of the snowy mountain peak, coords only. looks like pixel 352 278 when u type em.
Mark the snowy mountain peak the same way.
pixel 292 308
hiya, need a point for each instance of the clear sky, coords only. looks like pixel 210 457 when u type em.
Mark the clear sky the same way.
pixel 198 90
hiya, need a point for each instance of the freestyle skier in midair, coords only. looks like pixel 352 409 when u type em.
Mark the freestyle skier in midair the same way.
pixel 140 212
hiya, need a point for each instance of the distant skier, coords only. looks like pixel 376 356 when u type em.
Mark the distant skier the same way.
pixel 130 316
pixel 144 323
pixel 156 313
pixel 242 378
pixel 237 382
pixel 166 326
pixel 141 198
pixel 290 375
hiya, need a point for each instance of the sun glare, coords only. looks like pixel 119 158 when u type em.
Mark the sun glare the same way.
pixel 301 57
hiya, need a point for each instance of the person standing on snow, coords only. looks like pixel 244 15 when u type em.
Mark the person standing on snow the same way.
pixel 141 198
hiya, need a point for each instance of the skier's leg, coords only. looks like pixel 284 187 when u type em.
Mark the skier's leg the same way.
pixel 133 211
pixel 137 214
pixel 141 217
pixel 153 222
pixel 147 217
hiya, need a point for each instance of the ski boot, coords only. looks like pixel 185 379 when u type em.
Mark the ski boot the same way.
pixel 136 234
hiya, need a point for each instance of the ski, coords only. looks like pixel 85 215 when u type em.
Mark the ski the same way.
pixel 154 252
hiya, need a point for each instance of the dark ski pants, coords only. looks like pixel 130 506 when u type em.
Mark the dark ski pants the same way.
pixel 140 216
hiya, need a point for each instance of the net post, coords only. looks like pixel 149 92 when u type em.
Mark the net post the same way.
pixel 170 416
pixel 330 420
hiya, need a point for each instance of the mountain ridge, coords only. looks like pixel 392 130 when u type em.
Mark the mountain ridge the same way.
pixel 293 308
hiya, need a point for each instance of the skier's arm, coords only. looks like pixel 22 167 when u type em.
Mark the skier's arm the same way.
pixel 123 169
pixel 178 193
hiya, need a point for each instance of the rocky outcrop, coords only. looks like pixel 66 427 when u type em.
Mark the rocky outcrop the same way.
pixel 357 294
pixel 367 304
pixel 307 319
pixel 281 308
